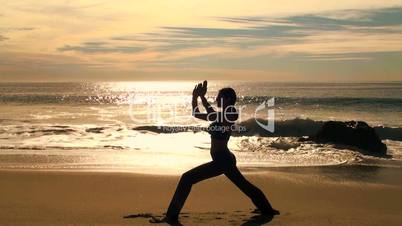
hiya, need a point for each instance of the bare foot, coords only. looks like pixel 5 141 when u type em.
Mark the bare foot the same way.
pixel 167 220
pixel 271 212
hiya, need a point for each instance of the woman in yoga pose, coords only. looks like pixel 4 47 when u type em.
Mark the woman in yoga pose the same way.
pixel 223 161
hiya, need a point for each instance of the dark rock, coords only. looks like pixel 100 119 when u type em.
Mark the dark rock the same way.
pixel 353 133
pixel 95 130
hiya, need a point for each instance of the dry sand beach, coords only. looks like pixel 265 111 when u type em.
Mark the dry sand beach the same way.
pixel 305 196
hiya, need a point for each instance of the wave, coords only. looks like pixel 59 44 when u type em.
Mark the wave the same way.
pixel 65 99
pixel 55 130
pixel 306 127
pixel 128 97
pixel 287 128
pixel 296 127
pixel 48 131
pixel 87 143
pixel 326 101
pixel 50 147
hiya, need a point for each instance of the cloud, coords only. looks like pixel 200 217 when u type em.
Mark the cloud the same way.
pixel 67 8
pixel 259 33
pixel 295 26
pixel 12 61
pixel 10 29
pixel 363 18
pixel 250 42
pixel 24 28
pixel 294 44
pixel 324 36
pixel 251 32
pixel 101 47
pixel 2 38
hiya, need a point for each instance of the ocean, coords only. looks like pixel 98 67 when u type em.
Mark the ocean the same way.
pixel 115 126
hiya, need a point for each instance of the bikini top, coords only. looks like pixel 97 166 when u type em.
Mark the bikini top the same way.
pixel 219 131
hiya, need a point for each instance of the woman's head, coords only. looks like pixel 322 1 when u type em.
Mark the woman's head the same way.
pixel 226 97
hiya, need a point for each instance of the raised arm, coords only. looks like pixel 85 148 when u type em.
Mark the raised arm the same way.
pixel 200 91
pixel 194 102
pixel 205 103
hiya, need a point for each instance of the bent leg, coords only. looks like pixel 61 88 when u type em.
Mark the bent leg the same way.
pixel 193 176
pixel 254 193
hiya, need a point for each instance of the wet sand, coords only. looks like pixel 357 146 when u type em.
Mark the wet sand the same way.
pixel 305 196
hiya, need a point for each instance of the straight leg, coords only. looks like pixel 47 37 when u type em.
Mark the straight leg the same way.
pixel 193 176
pixel 254 193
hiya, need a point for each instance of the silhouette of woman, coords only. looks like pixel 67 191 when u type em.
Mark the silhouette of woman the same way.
pixel 223 161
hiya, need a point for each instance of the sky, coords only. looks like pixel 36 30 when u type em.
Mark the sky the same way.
pixel 284 40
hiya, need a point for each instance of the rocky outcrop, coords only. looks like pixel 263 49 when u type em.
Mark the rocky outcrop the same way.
pixel 353 133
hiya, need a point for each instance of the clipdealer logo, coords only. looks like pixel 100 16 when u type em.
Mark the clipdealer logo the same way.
pixel 152 113
pixel 269 106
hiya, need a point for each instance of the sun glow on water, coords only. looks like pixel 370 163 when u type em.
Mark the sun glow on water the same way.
pixel 149 86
